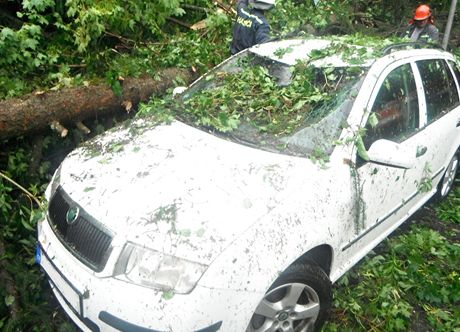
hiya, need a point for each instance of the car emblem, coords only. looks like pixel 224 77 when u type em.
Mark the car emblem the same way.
pixel 72 215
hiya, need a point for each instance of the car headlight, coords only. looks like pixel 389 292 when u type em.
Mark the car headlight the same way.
pixel 150 268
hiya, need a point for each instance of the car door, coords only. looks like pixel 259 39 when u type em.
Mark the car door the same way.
pixel 441 118
pixel 387 192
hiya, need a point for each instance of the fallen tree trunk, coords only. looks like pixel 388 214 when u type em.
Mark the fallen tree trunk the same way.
pixel 35 112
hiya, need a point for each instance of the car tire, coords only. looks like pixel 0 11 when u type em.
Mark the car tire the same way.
pixel 299 300
pixel 447 181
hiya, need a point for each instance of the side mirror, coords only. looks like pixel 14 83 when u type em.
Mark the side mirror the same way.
pixel 178 90
pixel 390 153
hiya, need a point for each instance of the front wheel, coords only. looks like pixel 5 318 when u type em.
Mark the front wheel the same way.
pixel 447 181
pixel 298 301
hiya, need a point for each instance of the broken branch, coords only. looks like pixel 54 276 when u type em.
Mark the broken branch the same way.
pixel 30 195
pixel 83 128
pixel 56 126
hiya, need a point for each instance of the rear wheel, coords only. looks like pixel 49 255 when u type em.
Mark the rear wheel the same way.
pixel 447 181
pixel 298 301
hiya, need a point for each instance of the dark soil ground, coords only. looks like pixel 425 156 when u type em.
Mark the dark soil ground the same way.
pixel 428 217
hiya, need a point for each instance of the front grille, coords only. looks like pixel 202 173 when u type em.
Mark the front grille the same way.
pixel 87 240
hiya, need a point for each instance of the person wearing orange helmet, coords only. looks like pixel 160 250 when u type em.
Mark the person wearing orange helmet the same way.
pixel 422 26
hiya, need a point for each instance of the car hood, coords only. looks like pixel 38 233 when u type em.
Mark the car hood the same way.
pixel 177 189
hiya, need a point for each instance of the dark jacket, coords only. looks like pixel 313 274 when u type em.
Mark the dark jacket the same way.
pixel 251 28
pixel 429 33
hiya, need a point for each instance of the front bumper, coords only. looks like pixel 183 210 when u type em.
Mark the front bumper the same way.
pixel 98 302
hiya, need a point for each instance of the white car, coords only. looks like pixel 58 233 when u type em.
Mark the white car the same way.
pixel 178 226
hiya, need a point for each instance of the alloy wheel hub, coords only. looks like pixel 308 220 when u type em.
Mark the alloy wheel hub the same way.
pixel 283 316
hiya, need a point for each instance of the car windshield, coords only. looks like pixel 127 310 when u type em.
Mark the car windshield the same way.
pixel 261 102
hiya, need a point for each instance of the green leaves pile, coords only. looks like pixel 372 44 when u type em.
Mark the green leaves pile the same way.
pixel 18 222
pixel 450 209
pixel 253 96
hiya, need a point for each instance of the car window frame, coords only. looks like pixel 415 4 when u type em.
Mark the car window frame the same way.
pixel 417 72
pixel 376 89
pixel 423 118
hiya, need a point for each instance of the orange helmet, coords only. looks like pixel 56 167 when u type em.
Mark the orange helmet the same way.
pixel 422 12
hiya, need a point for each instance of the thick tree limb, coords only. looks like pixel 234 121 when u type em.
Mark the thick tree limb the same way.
pixel 85 130
pixel 56 126
pixel 35 112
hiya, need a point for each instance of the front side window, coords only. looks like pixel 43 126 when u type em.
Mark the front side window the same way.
pixel 395 113
pixel 440 90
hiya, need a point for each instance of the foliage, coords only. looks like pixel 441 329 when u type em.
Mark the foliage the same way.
pixel 88 36
pixel 72 42
pixel 268 106
pixel 133 19
pixel 182 50
pixel 22 53
pixel 449 209
pixel 18 220
pixel 84 35
pixel 292 17
pixel 426 184
pixel 63 43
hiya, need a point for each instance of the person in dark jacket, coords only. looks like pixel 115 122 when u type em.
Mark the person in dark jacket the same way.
pixel 422 26
pixel 251 26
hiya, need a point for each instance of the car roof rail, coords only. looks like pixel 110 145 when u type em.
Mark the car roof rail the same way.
pixel 410 45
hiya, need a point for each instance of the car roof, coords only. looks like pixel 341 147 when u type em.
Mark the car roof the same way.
pixel 291 51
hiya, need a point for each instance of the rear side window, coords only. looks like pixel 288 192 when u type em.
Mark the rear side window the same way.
pixel 440 89
pixel 395 108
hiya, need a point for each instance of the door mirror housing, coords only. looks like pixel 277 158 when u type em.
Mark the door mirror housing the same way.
pixel 390 153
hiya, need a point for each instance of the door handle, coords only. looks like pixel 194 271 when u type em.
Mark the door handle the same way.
pixel 458 123
pixel 421 150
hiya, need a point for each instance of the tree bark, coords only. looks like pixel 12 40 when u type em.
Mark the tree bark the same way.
pixel 34 112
